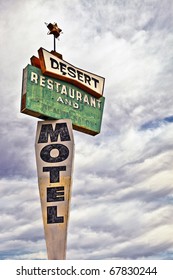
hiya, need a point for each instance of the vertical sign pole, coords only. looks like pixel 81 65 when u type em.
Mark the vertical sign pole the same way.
pixel 54 43
pixel 54 155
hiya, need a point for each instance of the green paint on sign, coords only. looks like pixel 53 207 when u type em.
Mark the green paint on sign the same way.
pixel 49 98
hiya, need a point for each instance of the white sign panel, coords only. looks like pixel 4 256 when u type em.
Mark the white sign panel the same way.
pixel 54 155
pixel 53 66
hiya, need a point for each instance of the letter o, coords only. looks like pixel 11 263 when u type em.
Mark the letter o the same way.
pixel 63 153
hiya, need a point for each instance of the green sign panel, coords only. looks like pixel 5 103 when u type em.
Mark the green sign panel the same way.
pixel 49 98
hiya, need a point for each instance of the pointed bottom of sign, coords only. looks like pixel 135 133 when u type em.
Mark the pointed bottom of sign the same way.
pixel 54 155
pixel 56 240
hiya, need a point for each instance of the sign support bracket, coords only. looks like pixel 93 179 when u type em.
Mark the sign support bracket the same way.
pixel 54 43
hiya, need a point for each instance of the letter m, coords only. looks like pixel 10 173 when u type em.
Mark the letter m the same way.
pixel 61 130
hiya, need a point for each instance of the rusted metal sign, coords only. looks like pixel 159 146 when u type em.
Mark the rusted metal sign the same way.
pixel 49 98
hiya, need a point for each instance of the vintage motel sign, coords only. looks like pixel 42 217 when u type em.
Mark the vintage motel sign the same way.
pixel 54 155
pixel 51 98
pixel 67 98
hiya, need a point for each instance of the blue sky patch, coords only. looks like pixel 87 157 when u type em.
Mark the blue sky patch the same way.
pixel 156 123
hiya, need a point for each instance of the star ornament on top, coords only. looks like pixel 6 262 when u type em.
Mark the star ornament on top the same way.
pixel 53 29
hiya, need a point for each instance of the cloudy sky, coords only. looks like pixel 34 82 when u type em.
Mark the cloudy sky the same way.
pixel 122 197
